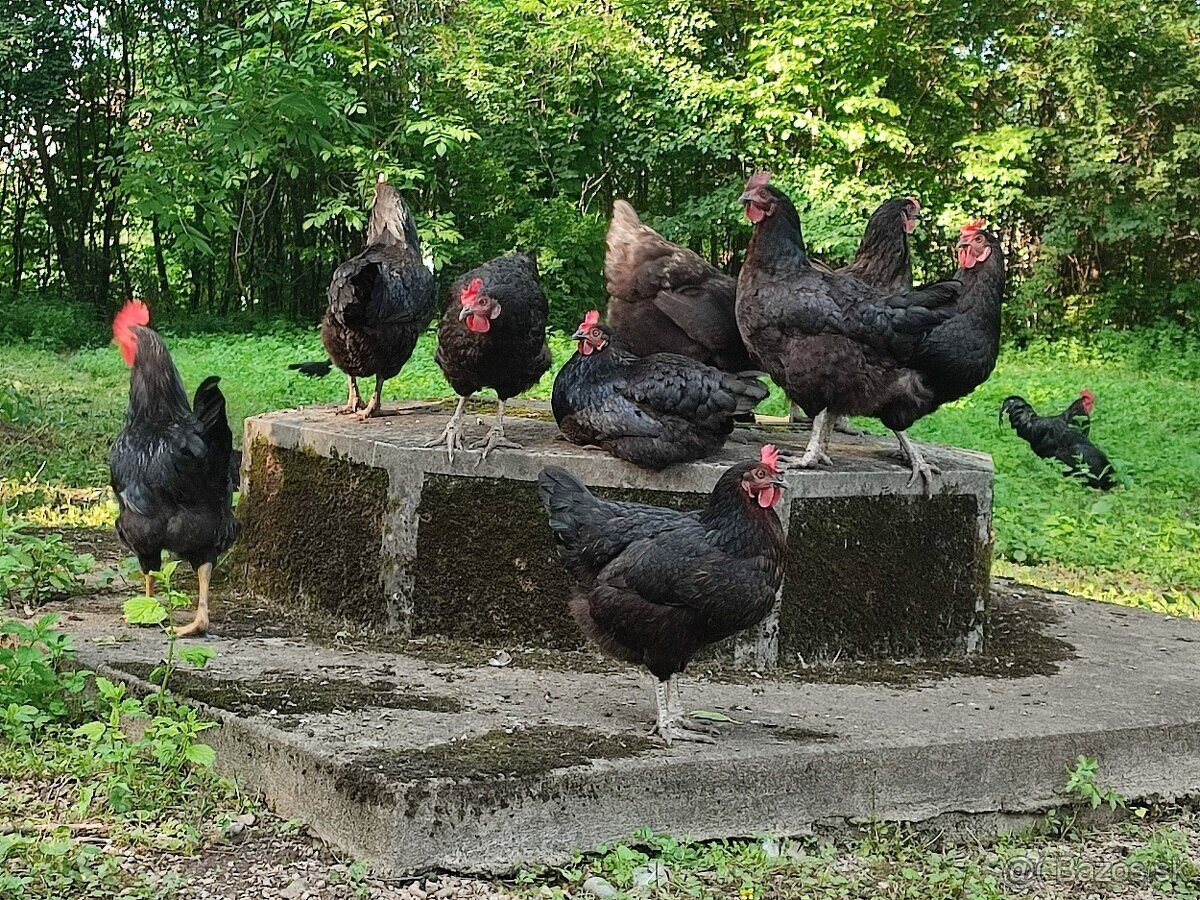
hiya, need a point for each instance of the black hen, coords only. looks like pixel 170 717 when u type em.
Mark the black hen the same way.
pixel 663 298
pixel 493 335
pixel 1063 437
pixel 650 410
pixel 656 585
pixel 315 369
pixel 171 465
pixel 882 259
pixel 379 301
pixel 831 341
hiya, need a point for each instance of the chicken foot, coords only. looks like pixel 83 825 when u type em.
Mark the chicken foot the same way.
pixel 817 451
pixel 373 407
pixel 496 438
pixel 920 468
pixel 841 424
pixel 672 725
pixel 354 402
pixel 149 584
pixel 198 625
pixel 452 437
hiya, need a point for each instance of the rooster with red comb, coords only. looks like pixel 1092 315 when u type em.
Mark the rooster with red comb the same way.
pixel 655 585
pixel 171 464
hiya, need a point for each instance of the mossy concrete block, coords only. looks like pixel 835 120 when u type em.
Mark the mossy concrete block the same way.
pixel 362 521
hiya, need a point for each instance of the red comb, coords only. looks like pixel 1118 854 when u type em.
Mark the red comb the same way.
pixel 915 202
pixel 592 318
pixel 758 179
pixel 769 457
pixel 132 314
pixel 1088 394
pixel 471 291
pixel 972 227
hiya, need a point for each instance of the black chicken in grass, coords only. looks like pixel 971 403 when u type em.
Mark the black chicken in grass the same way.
pixel 654 585
pixel 652 411
pixel 493 335
pixel 315 369
pixel 1063 437
pixel 379 301
pixel 171 465
pixel 663 298
pixel 841 346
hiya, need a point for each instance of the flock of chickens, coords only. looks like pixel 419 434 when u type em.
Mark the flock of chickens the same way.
pixel 680 361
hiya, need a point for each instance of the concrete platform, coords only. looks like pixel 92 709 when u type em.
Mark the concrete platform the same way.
pixel 418 753
pixel 361 522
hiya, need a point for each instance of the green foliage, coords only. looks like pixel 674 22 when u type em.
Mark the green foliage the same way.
pixel 33 569
pixel 231 179
pixel 1082 785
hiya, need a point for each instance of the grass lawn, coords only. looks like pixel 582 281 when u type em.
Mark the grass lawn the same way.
pixel 1139 544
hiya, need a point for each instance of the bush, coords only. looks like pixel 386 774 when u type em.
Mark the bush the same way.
pixel 50 323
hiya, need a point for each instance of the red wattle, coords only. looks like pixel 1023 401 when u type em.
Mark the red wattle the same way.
pixel 585 348
pixel 767 496
pixel 754 214
pixel 479 324
pixel 966 259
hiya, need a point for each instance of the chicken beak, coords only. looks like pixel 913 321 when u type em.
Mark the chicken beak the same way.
pixel 745 199
pixel 579 335
pixel 464 312
pixel 780 483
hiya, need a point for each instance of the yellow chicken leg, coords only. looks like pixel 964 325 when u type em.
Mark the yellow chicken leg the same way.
pixel 199 625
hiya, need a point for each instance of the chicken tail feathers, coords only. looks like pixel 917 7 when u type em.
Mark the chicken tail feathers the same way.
pixel 314 369
pixel 561 492
pixel 209 409
pixel 749 391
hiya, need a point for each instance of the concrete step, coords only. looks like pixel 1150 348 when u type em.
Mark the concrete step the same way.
pixel 363 522
pixel 419 753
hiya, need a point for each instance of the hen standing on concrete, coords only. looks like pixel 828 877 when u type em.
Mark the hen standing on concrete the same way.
pixel 379 301
pixel 656 585
pixel 170 465
pixel 493 335
pixel 832 342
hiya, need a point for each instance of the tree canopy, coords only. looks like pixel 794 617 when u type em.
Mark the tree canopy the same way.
pixel 215 157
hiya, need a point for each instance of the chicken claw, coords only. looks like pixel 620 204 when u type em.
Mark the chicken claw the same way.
pixel 354 401
pixel 920 467
pixel 452 436
pixel 843 426
pixel 496 438
pixel 199 625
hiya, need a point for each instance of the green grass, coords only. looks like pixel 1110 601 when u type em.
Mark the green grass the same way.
pixel 1139 544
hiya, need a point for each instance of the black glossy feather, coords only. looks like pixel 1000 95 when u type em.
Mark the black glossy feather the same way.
pixel 656 585
pixel 1060 438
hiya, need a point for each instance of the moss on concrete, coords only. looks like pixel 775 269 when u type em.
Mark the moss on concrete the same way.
pixel 312 530
pixel 1018 645
pixel 289 695
pixel 517 754
pixel 486 569
pixel 846 559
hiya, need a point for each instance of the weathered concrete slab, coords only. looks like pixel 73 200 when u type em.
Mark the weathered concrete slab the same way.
pixel 362 521
pixel 417 753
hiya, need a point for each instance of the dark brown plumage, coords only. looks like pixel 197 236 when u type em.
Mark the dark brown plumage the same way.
pixel 493 335
pixel 832 342
pixel 655 585
pixel 663 298
pixel 883 259
pixel 652 411
pixel 171 465
pixel 379 301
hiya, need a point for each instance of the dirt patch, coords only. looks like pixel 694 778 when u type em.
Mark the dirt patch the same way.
pixel 283 694
pixel 517 754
